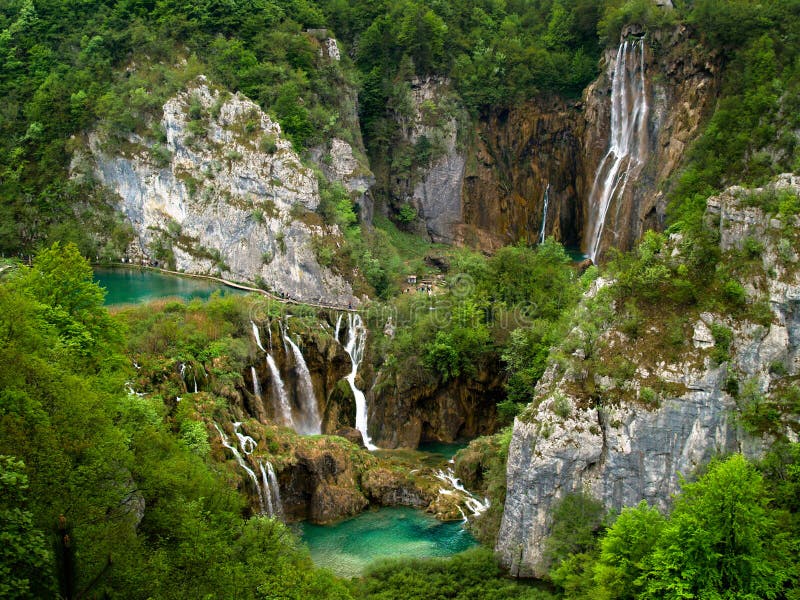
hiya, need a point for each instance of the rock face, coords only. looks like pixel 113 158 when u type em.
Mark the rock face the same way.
pixel 624 442
pixel 437 196
pixel 410 408
pixel 223 194
pixel 516 154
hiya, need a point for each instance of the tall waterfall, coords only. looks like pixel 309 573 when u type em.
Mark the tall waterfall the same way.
pixel 338 326
pixel 356 342
pixel 627 148
pixel 257 336
pixel 544 213
pixel 242 462
pixel 309 422
pixel 280 397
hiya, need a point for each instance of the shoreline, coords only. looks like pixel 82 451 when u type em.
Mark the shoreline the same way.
pixel 226 282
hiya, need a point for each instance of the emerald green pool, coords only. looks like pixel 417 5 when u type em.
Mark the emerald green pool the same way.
pixel 132 286
pixel 347 548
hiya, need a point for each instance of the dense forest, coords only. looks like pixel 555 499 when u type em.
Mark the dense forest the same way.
pixel 112 482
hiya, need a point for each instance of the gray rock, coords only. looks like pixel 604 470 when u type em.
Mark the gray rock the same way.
pixel 629 452
pixel 225 201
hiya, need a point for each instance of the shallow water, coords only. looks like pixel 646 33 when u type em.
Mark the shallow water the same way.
pixel 132 286
pixel 348 547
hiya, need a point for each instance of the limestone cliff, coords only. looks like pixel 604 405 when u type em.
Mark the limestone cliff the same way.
pixel 619 417
pixel 223 193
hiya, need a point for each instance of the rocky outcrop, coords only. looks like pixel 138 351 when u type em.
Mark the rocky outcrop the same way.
pixel 320 483
pixel 626 437
pixel 223 193
pixel 412 407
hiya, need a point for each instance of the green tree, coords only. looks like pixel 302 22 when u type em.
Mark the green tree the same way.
pixel 25 562
pixel 623 550
pixel 721 540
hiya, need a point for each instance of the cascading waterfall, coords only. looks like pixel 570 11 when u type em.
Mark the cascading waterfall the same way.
pixel 475 506
pixel 257 336
pixel 273 490
pixel 310 422
pixel 627 149
pixel 280 398
pixel 281 404
pixel 338 326
pixel 356 342
pixel 544 213
pixel 256 384
pixel 242 462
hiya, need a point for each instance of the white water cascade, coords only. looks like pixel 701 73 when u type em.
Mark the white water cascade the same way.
pixel 475 506
pixel 272 490
pixel 627 148
pixel 280 398
pixel 356 342
pixel 338 326
pixel 256 384
pixel 257 336
pixel 544 213
pixel 310 422
pixel 242 462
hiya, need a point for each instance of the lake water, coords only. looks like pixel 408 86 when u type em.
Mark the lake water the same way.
pixel 348 547
pixel 132 286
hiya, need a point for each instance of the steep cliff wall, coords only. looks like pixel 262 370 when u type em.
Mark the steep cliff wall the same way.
pixel 516 153
pixel 681 82
pixel 624 434
pixel 223 193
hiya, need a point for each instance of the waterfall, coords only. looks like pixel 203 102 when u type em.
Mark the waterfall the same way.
pixel 627 148
pixel 338 325
pixel 256 384
pixel 544 213
pixel 281 398
pixel 257 336
pixel 246 443
pixel 272 490
pixel 242 462
pixel 475 506
pixel 310 422
pixel 356 342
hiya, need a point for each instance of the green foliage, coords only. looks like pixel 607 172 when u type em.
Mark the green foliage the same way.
pixel 456 348
pixel 25 561
pixel 407 214
pixel 623 550
pixel 471 574
pixel 577 520
pixel 723 337
pixel 720 540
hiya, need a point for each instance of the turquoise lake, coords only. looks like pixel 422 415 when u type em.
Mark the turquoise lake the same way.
pixel 349 547
pixel 132 286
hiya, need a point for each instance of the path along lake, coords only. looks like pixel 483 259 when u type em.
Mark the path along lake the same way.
pixel 135 285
